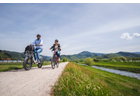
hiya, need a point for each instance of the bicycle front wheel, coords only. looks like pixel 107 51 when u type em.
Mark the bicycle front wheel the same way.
pixel 53 64
pixel 27 64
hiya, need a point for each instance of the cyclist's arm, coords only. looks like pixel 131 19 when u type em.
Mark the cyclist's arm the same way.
pixel 40 43
pixel 51 47
pixel 59 47
pixel 32 43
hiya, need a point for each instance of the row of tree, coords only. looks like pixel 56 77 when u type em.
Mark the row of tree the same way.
pixel 111 59
pixel 124 59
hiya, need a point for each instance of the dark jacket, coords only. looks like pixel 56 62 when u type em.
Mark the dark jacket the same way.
pixel 53 47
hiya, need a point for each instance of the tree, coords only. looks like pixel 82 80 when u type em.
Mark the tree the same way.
pixel 123 59
pixel 96 60
pixel 117 59
pixel 64 59
pixel 88 61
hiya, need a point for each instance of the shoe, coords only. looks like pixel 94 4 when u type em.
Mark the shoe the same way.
pixel 38 61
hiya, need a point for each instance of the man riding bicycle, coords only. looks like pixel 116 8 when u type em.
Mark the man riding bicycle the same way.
pixel 56 47
pixel 39 47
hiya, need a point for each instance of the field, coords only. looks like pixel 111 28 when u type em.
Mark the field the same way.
pixel 126 66
pixel 15 66
pixel 78 80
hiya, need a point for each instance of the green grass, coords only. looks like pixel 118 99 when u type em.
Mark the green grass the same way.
pixel 126 66
pixel 16 66
pixel 78 80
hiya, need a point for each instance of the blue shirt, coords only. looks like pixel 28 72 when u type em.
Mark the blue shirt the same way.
pixel 36 42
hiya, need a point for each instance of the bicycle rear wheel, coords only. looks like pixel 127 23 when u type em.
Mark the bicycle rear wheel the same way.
pixel 40 64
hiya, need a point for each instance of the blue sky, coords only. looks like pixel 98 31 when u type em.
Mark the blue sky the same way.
pixel 100 28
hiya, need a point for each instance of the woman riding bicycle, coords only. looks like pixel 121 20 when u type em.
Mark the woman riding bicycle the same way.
pixel 56 47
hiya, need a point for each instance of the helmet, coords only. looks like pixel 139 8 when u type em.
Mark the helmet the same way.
pixel 38 35
pixel 56 40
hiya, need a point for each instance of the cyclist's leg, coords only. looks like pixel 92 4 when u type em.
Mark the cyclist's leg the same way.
pixel 58 54
pixel 38 54
pixel 35 56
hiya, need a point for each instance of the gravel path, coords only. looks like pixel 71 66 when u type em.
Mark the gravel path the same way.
pixel 35 82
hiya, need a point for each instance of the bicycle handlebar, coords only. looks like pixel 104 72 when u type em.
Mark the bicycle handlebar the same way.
pixel 34 45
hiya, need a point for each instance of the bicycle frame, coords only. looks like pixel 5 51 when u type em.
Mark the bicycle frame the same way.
pixel 55 59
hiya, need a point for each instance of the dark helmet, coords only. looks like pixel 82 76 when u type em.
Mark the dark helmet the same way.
pixel 56 40
pixel 38 35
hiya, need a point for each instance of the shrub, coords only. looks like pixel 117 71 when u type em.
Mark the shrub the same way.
pixel 113 60
pixel 96 60
pixel 88 61
pixel 76 61
pixel 64 59
pixel 123 59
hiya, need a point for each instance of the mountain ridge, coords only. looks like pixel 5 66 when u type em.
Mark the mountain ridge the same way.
pixel 81 55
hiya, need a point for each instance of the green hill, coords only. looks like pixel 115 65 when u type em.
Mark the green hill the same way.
pixel 6 55
pixel 86 54
pixel 82 55
pixel 17 55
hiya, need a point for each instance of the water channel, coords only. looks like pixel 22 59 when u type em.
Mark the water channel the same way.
pixel 125 73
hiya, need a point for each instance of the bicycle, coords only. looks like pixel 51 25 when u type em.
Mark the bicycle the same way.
pixel 30 59
pixel 54 60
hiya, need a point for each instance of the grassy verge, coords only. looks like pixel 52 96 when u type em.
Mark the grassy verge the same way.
pixel 78 80
pixel 15 66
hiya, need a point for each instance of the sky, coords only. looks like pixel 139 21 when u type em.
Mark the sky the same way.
pixel 94 27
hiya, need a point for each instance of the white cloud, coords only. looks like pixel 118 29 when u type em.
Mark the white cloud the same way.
pixel 136 35
pixel 128 37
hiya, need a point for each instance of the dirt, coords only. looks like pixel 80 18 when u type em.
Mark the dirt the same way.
pixel 35 82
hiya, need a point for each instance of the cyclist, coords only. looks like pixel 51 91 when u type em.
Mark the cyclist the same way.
pixel 39 47
pixel 56 47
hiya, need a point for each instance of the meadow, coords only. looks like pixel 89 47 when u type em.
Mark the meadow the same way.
pixel 16 66
pixel 78 80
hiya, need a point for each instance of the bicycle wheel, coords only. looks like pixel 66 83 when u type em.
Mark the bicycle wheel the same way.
pixel 40 64
pixel 27 64
pixel 52 64
pixel 57 64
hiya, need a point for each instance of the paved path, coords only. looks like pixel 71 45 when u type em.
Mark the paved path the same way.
pixel 35 82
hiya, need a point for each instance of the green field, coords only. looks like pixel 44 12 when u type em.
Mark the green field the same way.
pixel 78 80
pixel 15 66
pixel 126 66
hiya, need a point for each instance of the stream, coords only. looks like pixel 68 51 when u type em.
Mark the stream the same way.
pixel 125 73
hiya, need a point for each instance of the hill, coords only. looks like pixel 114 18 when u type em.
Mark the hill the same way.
pixel 86 54
pixel 81 55
pixel 6 55
pixel 137 52
pixel 17 55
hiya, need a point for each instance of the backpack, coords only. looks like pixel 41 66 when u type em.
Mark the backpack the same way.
pixel 29 48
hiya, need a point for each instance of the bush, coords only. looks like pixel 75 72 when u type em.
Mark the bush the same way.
pixel 96 60
pixel 88 61
pixel 76 61
pixel 64 59
pixel 113 60
pixel 123 59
